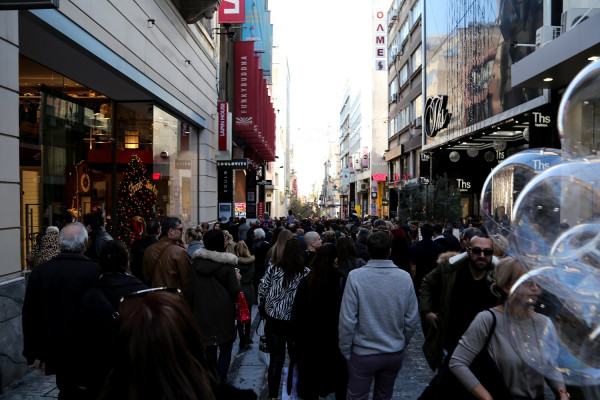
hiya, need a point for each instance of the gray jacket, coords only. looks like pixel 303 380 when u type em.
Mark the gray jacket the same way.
pixel 379 312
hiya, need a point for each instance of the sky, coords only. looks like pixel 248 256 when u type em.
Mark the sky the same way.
pixel 319 39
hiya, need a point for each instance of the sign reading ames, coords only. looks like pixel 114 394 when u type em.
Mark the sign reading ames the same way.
pixel 436 115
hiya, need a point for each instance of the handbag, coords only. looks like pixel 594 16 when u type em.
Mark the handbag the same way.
pixel 242 312
pixel 263 354
pixel 486 370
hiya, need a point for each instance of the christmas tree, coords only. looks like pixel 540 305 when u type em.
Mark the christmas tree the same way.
pixel 137 201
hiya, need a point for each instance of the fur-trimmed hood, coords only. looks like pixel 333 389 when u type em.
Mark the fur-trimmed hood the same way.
pixel 223 258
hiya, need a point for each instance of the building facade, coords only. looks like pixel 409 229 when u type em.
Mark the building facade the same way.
pixel 83 88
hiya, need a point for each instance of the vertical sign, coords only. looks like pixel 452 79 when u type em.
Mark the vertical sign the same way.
pixel 245 86
pixel 379 40
pixel 225 185
pixel 260 208
pixel 232 12
pixel 222 129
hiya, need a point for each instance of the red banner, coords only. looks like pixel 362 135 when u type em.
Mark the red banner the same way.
pixel 232 12
pixel 260 208
pixel 245 87
pixel 222 128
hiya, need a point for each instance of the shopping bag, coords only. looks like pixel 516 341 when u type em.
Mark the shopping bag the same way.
pixel 287 392
pixel 242 312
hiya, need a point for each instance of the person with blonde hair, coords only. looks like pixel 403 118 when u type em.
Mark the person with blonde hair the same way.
pixel 276 251
pixel 246 267
pixel 193 238
pixel 519 378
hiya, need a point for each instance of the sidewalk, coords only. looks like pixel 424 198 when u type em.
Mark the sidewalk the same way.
pixel 247 372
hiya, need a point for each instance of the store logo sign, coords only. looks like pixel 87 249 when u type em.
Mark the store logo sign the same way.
pixel 436 115
pixel 541 121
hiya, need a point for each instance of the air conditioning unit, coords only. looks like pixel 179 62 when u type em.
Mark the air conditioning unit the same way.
pixel 546 34
pixel 364 187
pixel 394 14
pixel 394 97
pixel 573 16
pixel 417 122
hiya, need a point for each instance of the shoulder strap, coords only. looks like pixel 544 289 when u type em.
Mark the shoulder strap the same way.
pixel 491 332
pixel 105 300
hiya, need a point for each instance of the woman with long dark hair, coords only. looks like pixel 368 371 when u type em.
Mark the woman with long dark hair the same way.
pixel 277 290
pixel 321 367
pixel 347 256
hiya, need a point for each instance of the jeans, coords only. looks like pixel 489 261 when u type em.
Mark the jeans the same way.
pixel 222 363
pixel 383 368
pixel 278 333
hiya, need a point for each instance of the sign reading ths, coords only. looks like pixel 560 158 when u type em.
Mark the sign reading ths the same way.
pixel 241 163
pixel 436 115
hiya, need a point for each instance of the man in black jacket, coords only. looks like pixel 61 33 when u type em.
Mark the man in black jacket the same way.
pixel 51 309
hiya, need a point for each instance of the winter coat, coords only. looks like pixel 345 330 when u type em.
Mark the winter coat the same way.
pixel 98 326
pixel 193 246
pixel 51 310
pixel 166 264
pixel 246 266
pixel 213 289
pixel 435 296
pixel 138 248
pixel 49 248
pixel 321 366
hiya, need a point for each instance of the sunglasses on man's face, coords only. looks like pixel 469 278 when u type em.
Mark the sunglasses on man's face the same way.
pixel 477 251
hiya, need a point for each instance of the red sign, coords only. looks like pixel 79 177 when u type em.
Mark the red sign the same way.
pixel 260 208
pixel 156 176
pixel 379 177
pixel 245 87
pixel 232 12
pixel 222 128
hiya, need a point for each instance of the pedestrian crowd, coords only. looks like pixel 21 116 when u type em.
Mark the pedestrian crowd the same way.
pixel 342 298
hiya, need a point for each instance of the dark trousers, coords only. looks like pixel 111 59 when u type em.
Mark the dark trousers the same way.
pixel 222 363
pixel 383 368
pixel 279 334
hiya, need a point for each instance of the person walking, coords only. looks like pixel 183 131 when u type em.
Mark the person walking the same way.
pixel 277 291
pixel 378 317
pixel 99 309
pixel 246 267
pixel 214 287
pixel 347 257
pixel 193 238
pixel 321 367
pixel 51 310
pixel 165 262
pixel 521 379
pixel 138 248
pixel 450 297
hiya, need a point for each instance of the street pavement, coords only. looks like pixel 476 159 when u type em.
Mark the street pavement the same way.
pixel 247 372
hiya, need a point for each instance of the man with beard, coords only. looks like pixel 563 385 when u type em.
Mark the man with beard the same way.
pixel 450 297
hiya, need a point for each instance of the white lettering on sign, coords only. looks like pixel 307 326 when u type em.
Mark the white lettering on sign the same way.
pixel 542 121
pixel 538 165
pixel 244 85
pixel 235 9
pixel 463 185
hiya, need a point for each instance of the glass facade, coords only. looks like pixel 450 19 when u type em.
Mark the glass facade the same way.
pixel 470 47
pixel 75 144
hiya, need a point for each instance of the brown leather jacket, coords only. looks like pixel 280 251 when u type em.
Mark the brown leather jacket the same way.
pixel 166 264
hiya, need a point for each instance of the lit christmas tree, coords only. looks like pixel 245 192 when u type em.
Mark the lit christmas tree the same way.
pixel 137 201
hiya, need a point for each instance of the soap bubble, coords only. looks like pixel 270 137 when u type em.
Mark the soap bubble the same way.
pixel 504 185
pixel 561 339
pixel 551 204
pixel 577 111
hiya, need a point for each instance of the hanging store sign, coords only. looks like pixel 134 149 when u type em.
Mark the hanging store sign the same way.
pixel 436 115
pixel 379 35
pixel 222 107
pixel 232 12
pixel 246 86
pixel 241 163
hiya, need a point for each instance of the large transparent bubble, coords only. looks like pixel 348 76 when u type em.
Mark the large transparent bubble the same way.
pixel 550 205
pixel 504 185
pixel 577 116
pixel 554 323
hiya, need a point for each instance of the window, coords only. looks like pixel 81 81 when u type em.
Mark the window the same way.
pixel 417 107
pixel 392 129
pixel 402 33
pixel 404 74
pixel 403 118
pixel 416 59
pixel 415 13
pixel 393 90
